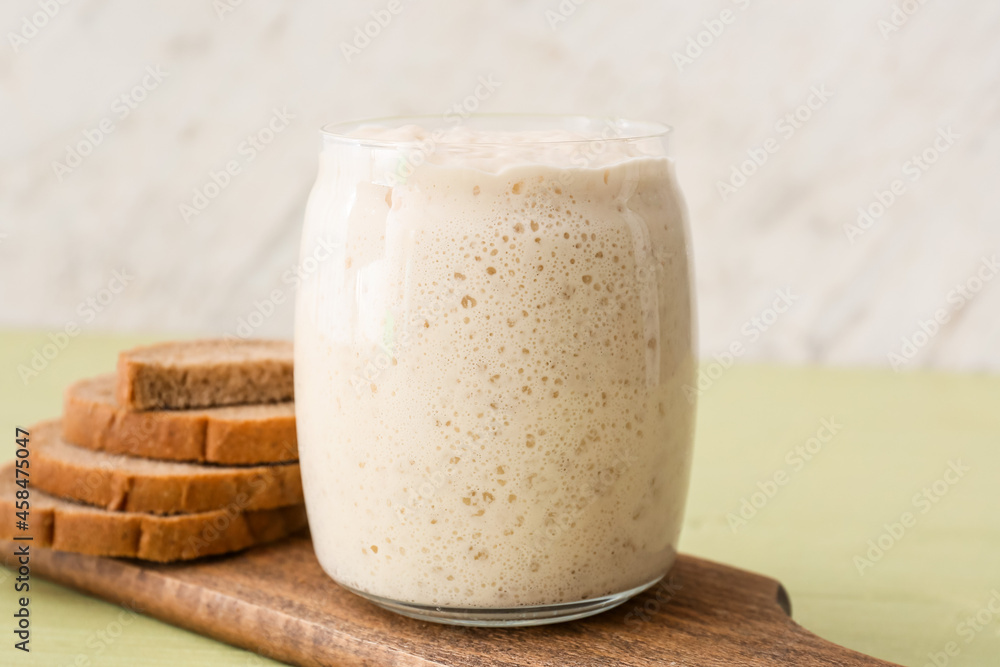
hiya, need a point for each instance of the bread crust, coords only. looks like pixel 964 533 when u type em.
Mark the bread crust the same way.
pixel 129 484
pixel 65 526
pixel 237 435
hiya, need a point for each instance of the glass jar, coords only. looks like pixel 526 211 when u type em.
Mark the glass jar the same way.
pixel 494 355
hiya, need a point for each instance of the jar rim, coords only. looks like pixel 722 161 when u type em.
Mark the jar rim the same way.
pixel 621 129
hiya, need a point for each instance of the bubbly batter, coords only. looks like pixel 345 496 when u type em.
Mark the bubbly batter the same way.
pixel 489 372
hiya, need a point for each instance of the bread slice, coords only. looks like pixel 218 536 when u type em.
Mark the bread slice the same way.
pixel 130 484
pixel 205 374
pixel 66 526
pixel 235 435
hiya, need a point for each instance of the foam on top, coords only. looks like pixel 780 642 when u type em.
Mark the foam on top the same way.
pixel 496 150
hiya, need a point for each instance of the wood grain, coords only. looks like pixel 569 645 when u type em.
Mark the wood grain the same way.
pixel 276 601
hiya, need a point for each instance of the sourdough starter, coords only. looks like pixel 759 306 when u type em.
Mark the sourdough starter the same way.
pixel 489 368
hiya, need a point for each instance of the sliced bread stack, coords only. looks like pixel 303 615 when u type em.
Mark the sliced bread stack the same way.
pixel 188 451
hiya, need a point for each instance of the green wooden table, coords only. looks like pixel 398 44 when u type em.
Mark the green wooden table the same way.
pixel 873 496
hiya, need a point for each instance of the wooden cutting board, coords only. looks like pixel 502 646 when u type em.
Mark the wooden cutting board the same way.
pixel 276 601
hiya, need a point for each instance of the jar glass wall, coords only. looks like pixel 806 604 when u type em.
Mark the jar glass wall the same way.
pixel 494 362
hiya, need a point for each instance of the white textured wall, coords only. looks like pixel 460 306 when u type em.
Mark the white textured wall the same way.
pixel 62 235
